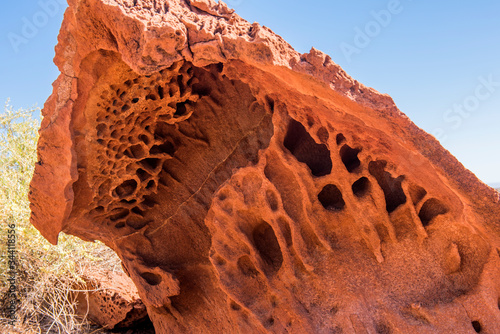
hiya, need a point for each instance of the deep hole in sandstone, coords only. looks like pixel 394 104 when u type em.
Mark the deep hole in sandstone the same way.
pixel 323 134
pixel 219 67
pixel 272 200
pixel 142 174
pixel 160 92
pixel 430 210
pixel 269 322
pixel 99 209
pixel 202 89
pixel 151 278
pixel 136 223
pixel 310 121
pixel 246 266
pixel 180 109
pixel 350 158
pixel 306 150
pixel 138 211
pixel 151 184
pixel 477 326
pixel 181 85
pixel 166 147
pixel 118 214
pixel 361 187
pixel 149 201
pixel 268 246
pixel 393 192
pixel 101 129
pixel 270 103
pixel 150 164
pixel 331 198
pixel 286 231
pixel 383 328
pixel 145 139
pixel 340 139
pixel 127 188
pixel 103 188
pixel 235 306
pixel 151 96
pixel 128 202
pixel 135 152
pixel 417 193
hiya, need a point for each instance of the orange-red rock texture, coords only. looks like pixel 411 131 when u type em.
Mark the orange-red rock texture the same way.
pixel 248 188
pixel 110 299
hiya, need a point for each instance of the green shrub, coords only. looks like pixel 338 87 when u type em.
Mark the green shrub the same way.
pixel 46 275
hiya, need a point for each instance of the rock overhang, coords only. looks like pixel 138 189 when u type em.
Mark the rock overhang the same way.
pixel 207 152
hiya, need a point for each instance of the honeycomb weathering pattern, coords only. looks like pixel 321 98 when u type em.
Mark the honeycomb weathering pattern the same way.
pixel 249 189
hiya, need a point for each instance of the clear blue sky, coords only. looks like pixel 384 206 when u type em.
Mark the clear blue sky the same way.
pixel 439 60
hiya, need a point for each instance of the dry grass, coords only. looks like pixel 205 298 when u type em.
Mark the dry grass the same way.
pixel 46 275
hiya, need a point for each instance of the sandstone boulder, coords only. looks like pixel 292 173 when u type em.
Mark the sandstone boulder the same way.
pixel 110 299
pixel 248 188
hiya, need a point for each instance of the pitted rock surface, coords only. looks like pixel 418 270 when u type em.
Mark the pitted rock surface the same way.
pixel 110 299
pixel 248 188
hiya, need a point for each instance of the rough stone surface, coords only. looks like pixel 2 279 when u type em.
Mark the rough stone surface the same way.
pixel 110 299
pixel 248 188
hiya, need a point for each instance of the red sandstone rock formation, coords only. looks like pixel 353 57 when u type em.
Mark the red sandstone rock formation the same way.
pixel 110 299
pixel 250 189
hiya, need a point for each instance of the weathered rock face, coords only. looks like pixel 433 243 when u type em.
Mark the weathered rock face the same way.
pixel 111 300
pixel 251 189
